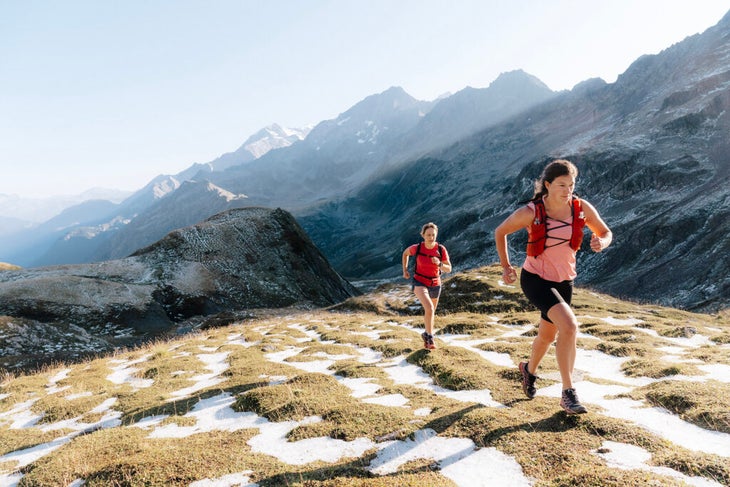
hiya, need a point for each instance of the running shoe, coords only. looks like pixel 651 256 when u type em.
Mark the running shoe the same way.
pixel 528 381
pixel 571 404
pixel 428 341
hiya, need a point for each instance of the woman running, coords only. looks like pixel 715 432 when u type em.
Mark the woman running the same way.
pixel 431 259
pixel 554 219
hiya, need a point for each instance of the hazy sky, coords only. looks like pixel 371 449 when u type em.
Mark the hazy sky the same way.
pixel 111 93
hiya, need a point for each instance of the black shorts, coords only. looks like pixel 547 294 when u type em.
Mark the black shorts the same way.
pixel 434 292
pixel 545 294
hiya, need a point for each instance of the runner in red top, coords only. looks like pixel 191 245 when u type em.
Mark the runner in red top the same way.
pixel 548 272
pixel 431 259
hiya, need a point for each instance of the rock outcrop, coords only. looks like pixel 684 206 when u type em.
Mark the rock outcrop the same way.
pixel 239 259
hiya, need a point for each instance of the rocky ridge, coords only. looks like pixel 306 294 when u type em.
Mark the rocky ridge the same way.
pixel 234 261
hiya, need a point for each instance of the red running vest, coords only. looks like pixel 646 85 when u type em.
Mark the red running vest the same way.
pixel 537 231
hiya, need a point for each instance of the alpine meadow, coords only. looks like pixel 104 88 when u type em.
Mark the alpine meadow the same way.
pixel 244 322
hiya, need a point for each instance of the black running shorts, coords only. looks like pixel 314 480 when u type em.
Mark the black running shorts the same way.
pixel 540 292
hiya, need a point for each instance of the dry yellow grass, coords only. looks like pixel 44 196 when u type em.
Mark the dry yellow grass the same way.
pixel 264 374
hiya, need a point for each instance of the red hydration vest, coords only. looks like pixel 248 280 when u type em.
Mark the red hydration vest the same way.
pixel 537 231
pixel 422 278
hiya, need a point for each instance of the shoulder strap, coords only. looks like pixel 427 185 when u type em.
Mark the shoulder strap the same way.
pixel 540 213
pixel 579 221
pixel 537 231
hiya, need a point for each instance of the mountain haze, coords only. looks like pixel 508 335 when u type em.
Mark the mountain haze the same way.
pixel 473 109
pixel 87 239
pixel 336 157
pixel 652 149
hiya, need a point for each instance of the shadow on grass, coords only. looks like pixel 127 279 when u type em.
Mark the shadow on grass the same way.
pixel 356 473
pixel 559 422
pixel 184 405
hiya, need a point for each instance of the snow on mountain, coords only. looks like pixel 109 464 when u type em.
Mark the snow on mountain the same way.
pixel 268 138
pixel 273 137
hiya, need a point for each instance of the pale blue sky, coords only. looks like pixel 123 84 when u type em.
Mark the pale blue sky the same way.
pixel 102 93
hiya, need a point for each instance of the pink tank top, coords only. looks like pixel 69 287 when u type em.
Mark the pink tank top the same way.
pixel 557 262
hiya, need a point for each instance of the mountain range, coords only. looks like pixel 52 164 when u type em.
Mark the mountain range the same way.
pixel 652 150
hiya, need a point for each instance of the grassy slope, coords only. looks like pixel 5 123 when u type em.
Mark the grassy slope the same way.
pixel 551 448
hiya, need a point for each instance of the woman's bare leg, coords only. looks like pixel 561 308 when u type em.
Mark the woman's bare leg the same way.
pixel 429 307
pixel 564 319
pixel 546 333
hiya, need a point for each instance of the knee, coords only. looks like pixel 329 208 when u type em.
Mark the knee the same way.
pixel 564 319
pixel 545 337
pixel 569 329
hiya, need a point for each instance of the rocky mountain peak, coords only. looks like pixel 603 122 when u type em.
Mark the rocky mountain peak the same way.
pixel 271 137
pixel 378 110
pixel 517 81
pixel 374 106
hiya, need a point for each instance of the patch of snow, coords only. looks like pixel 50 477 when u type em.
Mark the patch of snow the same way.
pixel 275 379
pixel 280 357
pixel 10 480
pixel 124 373
pixel 212 414
pixel 608 367
pixel 29 455
pixel 360 386
pixel 52 387
pixel 401 372
pixel 369 356
pixel 20 416
pixel 516 330
pixel 621 322
pixel 458 459
pixel 149 421
pixel 630 457
pixel 216 363
pixel 718 372
pixel 694 341
pixel 658 421
pixel 485 467
pixel 231 480
pixel 396 400
pixel 272 440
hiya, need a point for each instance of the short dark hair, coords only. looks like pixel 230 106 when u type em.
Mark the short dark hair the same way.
pixel 429 225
